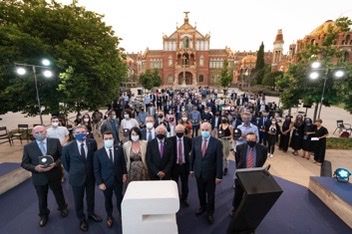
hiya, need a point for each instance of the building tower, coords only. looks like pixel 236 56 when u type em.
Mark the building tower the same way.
pixel 278 48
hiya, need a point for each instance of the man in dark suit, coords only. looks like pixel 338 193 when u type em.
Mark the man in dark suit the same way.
pixel 263 124
pixel 182 145
pixel 148 133
pixel 206 164
pixel 78 162
pixel 110 173
pixel 45 177
pixel 160 155
pixel 247 155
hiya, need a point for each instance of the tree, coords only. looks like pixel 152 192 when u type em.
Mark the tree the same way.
pixel 259 70
pixel 270 77
pixel 226 75
pixel 88 63
pixel 150 79
pixel 295 84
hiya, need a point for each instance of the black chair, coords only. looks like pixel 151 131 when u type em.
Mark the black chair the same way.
pixel 342 127
pixel 4 134
pixel 22 133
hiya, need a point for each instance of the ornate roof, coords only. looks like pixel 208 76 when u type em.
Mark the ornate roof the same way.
pixel 323 28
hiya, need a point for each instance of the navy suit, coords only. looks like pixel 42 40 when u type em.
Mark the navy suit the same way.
pixel 182 170
pixel 263 124
pixel 206 169
pixel 81 175
pixel 156 162
pixel 110 173
pixel 43 180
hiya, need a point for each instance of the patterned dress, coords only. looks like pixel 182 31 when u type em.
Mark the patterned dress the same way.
pixel 137 169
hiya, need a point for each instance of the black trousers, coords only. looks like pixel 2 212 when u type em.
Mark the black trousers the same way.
pixel 78 195
pixel 195 129
pixel 237 196
pixel 181 172
pixel 206 194
pixel 42 193
pixel 263 138
pixel 271 143
pixel 117 189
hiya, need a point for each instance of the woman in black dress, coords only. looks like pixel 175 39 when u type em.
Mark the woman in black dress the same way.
pixel 309 132
pixel 285 133
pixel 320 145
pixel 297 134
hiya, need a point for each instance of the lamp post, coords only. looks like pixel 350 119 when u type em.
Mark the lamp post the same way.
pixel 20 70
pixel 314 74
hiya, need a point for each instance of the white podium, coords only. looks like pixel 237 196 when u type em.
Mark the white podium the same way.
pixel 149 207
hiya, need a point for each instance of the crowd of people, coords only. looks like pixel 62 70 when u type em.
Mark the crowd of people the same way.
pixel 162 135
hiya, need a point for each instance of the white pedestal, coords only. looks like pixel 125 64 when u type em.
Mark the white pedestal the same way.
pixel 149 207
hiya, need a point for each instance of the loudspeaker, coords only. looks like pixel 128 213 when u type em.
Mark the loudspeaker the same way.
pixel 261 191
pixel 325 169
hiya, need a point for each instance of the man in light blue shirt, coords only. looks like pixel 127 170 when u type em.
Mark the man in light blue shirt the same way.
pixel 246 127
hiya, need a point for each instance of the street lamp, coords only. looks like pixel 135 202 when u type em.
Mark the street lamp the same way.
pixel 21 70
pixel 317 71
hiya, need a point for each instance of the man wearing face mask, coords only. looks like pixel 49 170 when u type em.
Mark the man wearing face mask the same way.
pixel 58 132
pixel 160 155
pixel 45 177
pixel 182 145
pixel 149 132
pixel 206 165
pixel 78 162
pixel 111 124
pixel 110 173
pixel 247 155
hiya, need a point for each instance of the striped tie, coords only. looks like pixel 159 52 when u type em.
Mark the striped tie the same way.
pixel 250 158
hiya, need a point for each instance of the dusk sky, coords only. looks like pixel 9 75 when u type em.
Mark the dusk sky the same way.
pixel 240 25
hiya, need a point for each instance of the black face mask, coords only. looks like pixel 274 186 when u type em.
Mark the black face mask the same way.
pixel 179 134
pixel 251 143
pixel 160 136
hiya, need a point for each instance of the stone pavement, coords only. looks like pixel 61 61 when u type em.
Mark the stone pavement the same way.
pixel 284 165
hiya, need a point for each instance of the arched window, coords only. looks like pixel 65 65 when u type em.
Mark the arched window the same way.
pixel 201 79
pixel 185 42
pixel 170 61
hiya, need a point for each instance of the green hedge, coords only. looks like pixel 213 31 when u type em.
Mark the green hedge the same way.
pixel 339 143
pixel 261 88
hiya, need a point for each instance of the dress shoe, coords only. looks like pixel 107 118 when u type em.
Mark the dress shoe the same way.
pixel 200 211
pixel 109 222
pixel 95 218
pixel 83 225
pixel 43 221
pixel 210 219
pixel 64 212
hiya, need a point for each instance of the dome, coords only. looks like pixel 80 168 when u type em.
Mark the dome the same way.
pixel 323 29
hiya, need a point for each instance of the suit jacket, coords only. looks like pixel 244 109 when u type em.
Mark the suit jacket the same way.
pixel 79 168
pixel 209 166
pixel 105 170
pixel 127 152
pixel 30 159
pixel 187 147
pixel 241 155
pixel 155 162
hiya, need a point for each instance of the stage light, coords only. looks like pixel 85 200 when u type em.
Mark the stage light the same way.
pixel 342 175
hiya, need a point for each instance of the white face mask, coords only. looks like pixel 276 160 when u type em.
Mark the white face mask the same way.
pixel 109 143
pixel 126 116
pixel 55 124
pixel 149 125
pixel 135 137
pixel 86 120
pixel 184 118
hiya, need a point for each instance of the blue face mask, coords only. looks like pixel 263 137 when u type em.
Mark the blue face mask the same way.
pixel 80 136
pixel 205 134
pixel 39 136
pixel 109 143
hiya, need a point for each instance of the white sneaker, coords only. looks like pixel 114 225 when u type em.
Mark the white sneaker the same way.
pixel 271 155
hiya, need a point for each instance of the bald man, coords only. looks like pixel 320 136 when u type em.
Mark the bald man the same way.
pixel 160 155
pixel 43 177
pixel 206 164
pixel 182 146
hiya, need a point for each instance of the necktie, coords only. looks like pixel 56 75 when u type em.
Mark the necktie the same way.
pixel 42 147
pixel 204 147
pixel 179 152
pixel 250 158
pixel 83 152
pixel 111 156
pixel 149 135
pixel 161 149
